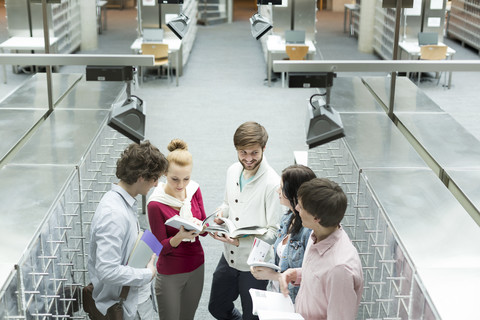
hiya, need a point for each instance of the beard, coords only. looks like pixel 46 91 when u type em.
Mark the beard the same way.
pixel 253 166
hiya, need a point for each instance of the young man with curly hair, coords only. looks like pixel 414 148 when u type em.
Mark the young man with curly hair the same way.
pixel 114 230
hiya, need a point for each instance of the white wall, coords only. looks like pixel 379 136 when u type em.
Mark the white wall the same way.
pixel 338 5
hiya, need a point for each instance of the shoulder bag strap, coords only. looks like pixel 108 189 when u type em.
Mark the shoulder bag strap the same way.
pixel 124 294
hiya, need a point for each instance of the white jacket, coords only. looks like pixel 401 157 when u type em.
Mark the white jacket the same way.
pixel 256 205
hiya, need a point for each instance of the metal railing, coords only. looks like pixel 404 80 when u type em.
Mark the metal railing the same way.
pixel 47 281
pixel 392 289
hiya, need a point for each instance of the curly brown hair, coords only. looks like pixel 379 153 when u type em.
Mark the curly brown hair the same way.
pixel 141 160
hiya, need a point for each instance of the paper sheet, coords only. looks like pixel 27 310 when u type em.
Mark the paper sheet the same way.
pixel 436 4
pixel 148 3
pixel 433 22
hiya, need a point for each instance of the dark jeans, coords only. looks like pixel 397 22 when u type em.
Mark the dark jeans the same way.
pixel 227 284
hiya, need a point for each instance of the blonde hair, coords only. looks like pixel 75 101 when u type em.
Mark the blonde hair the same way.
pixel 179 153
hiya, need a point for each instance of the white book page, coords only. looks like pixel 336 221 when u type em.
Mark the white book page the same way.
pixel 177 222
pixel 268 300
pixel 259 250
pixel 276 315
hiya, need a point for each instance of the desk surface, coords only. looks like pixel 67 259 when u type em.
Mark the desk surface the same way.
pixel 445 140
pixel 408 97
pixel 15 125
pixel 412 47
pixel 32 94
pixel 425 215
pixel 58 140
pixel 375 142
pixel 26 43
pixel 173 44
pixel 277 43
pixel 352 6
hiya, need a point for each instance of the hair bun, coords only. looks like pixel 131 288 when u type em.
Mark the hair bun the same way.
pixel 177 144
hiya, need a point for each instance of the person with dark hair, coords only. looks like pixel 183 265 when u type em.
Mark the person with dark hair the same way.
pixel 114 231
pixel 180 266
pixel 331 277
pixel 292 237
pixel 250 200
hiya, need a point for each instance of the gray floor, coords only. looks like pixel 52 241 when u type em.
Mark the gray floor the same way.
pixel 223 85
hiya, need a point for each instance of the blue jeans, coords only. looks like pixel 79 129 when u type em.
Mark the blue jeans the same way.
pixel 227 284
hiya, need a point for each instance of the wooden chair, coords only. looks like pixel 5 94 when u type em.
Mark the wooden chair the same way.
pixel 432 52
pixel 160 52
pixel 295 52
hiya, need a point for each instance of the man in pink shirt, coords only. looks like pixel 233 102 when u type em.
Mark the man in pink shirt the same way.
pixel 331 278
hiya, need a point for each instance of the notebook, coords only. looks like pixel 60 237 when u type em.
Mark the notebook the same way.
pixel 295 36
pixel 152 35
pixel 426 38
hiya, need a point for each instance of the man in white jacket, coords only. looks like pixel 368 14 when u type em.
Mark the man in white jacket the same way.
pixel 250 200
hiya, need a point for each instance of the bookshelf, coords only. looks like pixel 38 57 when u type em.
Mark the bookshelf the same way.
pixel 464 22
pixel 384 31
pixel 66 25
pixel 428 17
pixel 148 17
pixel 63 20
pixel 356 21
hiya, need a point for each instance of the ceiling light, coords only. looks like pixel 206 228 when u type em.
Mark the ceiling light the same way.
pixel 129 119
pixel 179 25
pixel 323 123
pixel 259 25
pixel 127 116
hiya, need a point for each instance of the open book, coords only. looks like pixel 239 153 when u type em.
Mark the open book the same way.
pixel 228 227
pixel 257 255
pixel 270 305
pixel 145 246
pixel 264 264
pixel 177 222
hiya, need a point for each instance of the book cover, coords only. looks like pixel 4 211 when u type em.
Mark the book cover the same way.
pixel 145 246
pixel 259 251
pixel 258 254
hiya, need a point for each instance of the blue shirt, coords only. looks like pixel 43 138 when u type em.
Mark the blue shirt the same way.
pixel 244 181
pixel 114 230
pixel 294 250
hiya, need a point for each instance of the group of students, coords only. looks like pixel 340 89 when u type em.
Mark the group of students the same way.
pixel 320 268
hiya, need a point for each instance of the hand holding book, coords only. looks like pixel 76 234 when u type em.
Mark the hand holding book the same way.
pixel 190 225
pixel 141 255
pixel 265 272
pixel 151 265
pixel 259 268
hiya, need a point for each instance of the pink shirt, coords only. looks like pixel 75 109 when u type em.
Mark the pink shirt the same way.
pixel 331 279
pixel 188 256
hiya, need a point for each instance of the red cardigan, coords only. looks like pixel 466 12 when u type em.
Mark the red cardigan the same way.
pixel 188 256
